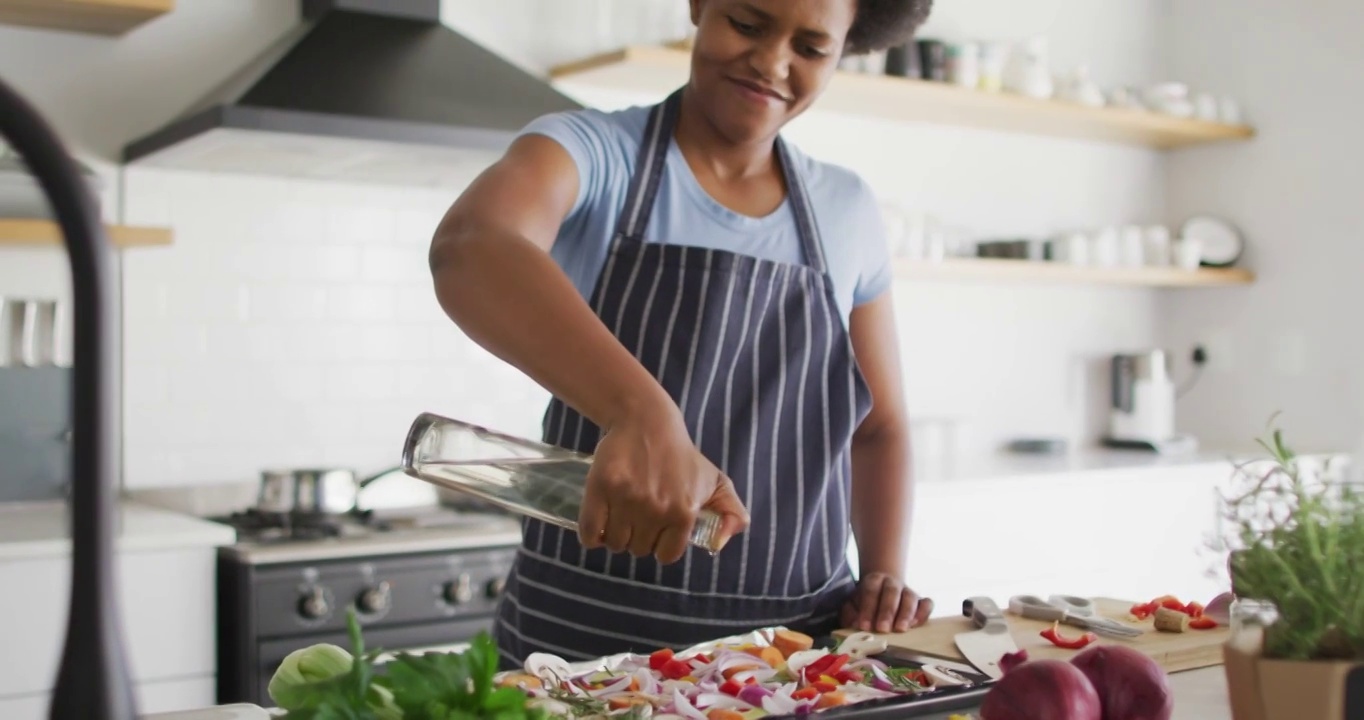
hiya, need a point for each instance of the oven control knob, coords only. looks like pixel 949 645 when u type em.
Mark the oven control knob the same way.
pixel 375 599
pixel 460 591
pixel 314 605
pixel 496 586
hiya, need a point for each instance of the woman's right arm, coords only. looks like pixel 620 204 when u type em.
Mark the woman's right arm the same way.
pixel 494 277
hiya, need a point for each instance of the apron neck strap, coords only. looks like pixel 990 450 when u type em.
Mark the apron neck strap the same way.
pixel 651 162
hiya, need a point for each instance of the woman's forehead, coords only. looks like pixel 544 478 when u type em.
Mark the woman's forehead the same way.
pixel 830 17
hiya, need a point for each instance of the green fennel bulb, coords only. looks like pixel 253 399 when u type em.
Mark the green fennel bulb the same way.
pixel 316 675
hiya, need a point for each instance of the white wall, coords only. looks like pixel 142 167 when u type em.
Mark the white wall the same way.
pixel 1291 342
pixel 293 322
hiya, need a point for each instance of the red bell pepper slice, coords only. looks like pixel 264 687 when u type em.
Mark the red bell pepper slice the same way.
pixel 819 667
pixel 675 669
pixel 836 665
pixel 659 658
pixel 731 687
pixel 849 676
pixel 806 693
pixel 1194 609
pixel 1202 622
pixel 1053 635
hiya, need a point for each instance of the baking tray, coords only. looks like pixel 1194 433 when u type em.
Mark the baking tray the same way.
pixel 935 702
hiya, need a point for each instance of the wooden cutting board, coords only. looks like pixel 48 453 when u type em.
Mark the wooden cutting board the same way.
pixel 1173 651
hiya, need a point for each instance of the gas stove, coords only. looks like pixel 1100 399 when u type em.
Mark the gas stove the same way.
pixel 426 578
pixel 269 538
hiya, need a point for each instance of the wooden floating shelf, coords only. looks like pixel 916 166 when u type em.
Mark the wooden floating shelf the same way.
pixel 98 17
pixel 991 270
pixel 19 232
pixel 659 69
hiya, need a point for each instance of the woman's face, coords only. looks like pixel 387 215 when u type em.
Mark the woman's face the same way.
pixel 759 63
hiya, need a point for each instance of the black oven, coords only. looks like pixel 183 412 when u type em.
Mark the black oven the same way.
pixel 410 601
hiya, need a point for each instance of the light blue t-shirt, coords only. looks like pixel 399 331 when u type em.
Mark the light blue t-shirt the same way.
pixel 604 146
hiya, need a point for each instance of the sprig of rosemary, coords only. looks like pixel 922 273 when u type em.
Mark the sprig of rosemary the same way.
pixel 1299 544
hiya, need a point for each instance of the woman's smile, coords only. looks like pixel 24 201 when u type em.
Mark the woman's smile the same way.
pixel 758 93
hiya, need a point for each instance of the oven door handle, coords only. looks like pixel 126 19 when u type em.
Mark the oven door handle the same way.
pixel 387 657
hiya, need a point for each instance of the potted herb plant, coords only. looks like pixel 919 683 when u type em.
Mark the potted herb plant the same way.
pixel 1296 560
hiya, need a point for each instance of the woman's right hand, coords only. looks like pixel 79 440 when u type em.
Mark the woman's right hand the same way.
pixel 647 485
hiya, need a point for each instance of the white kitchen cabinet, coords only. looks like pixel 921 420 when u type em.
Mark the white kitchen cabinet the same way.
pixel 1129 533
pixel 152 697
pixel 167 598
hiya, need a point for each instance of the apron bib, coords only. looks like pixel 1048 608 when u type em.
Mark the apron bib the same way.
pixel 756 355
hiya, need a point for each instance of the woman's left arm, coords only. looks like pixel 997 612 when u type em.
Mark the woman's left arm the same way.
pixel 882 480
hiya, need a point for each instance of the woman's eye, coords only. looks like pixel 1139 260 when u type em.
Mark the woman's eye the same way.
pixel 812 52
pixel 744 27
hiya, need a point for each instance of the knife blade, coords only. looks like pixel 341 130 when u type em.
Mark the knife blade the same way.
pixel 985 646
pixel 953 672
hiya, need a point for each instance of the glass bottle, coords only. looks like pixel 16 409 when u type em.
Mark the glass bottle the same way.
pixel 526 477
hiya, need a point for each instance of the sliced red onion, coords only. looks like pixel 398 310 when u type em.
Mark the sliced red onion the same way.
pixel 615 687
pixel 718 700
pixel 754 694
pixel 777 704
pixel 761 676
pixel 684 707
pixel 866 663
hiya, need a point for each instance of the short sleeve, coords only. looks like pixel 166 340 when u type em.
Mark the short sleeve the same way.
pixel 587 136
pixel 875 273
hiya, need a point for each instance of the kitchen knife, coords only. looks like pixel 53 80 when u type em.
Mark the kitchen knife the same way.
pixel 985 646
pixel 943 669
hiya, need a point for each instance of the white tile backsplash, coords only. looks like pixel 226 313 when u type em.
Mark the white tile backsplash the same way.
pixel 292 322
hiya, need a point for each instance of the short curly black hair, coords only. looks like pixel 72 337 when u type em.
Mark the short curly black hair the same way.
pixel 881 24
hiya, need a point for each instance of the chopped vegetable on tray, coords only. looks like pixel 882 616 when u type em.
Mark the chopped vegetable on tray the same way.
pixel 770 672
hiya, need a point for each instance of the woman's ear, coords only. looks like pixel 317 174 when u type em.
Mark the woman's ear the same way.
pixel 696 10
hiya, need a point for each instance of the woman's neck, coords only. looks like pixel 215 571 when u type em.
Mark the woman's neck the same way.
pixel 703 144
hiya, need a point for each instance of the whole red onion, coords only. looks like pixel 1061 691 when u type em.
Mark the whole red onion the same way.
pixel 1042 690
pixel 1131 685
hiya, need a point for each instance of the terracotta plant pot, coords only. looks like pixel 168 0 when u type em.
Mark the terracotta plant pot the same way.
pixel 1260 688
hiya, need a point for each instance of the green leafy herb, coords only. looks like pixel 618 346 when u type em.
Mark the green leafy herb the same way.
pixel 454 686
pixel 432 686
pixel 582 705
pixel 906 678
pixel 1297 542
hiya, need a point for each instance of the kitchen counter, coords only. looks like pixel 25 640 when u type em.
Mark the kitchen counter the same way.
pixel 987 466
pixel 1199 695
pixel 41 529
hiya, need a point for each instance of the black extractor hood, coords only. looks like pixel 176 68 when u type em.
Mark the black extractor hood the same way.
pixel 362 90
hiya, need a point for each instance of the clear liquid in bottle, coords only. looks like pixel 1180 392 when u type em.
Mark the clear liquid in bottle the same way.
pixel 522 476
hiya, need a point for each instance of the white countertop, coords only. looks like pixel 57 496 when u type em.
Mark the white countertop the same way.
pixel 999 465
pixel 41 529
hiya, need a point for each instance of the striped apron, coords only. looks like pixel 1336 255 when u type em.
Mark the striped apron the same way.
pixel 756 355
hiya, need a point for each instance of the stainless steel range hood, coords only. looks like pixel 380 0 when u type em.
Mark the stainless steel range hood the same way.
pixel 363 90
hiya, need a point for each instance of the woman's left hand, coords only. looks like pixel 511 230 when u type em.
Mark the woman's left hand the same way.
pixel 883 603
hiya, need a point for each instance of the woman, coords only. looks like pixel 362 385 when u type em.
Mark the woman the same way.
pixel 709 308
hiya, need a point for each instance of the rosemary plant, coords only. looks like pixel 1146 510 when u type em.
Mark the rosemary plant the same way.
pixel 1298 543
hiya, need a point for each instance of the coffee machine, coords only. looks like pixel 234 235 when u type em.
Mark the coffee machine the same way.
pixel 1142 411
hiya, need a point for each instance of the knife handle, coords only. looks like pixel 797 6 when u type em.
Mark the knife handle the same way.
pixel 984 613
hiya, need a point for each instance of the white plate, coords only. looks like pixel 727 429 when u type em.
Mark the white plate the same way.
pixel 1221 243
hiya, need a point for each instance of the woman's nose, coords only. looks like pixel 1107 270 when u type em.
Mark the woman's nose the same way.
pixel 772 60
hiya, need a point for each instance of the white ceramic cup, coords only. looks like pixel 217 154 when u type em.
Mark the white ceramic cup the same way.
pixel 1187 253
pixel 1158 246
